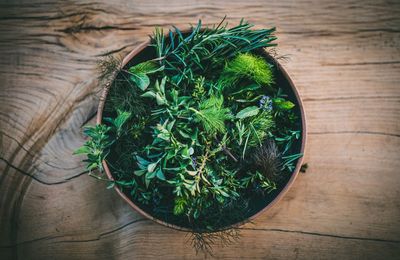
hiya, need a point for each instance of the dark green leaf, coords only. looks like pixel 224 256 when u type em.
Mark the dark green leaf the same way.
pixel 160 174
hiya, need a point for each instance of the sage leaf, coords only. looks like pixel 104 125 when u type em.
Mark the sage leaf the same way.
pixel 151 167
pixel 247 112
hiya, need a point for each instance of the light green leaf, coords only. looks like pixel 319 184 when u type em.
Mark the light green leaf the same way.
pixel 146 67
pixel 140 172
pixel 247 112
pixel 170 125
pixel 147 182
pixel 223 193
pixel 185 153
pixel 150 175
pixel 122 117
pixel 283 104
pixel 141 80
pixel 160 100
pixel 149 94
pixel 82 150
pixel 151 167
pixel 192 173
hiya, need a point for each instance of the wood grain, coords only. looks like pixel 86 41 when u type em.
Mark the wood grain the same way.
pixel 344 57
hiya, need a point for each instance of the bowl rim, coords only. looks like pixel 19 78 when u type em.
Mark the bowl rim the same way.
pixel 285 189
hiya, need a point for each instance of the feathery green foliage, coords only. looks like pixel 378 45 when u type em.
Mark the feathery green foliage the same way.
pixel 246 66
pixel 213 115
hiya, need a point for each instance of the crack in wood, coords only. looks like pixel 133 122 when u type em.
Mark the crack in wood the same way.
pixel 89 28
pixel 34 157
pixel 74 241
pixel 323 234
pixel 39 180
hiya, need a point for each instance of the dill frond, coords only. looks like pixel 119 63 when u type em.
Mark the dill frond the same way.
pixel 212 115
pixel 107 67
pixel 246 66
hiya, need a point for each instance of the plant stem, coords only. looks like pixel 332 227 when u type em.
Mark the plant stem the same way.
pixel 226 150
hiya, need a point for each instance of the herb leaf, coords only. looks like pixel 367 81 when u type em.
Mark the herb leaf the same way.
pixel 247 112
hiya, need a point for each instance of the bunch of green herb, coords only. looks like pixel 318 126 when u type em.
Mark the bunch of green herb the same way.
pixel 201 132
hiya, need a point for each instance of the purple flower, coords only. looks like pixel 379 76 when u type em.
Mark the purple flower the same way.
pixel 194 161
pixel 265 103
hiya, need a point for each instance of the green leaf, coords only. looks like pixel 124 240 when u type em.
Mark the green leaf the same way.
pixel 192 173
pixel 150 175
pixel 247 112
pixel 171 154
pixel 196 214
pixel 223 193
pixel 162 85
pixel 82 150
pixel 151 167
pixel 160 174
pixel 160 100
pixel 122 117
pixel 149 94
pixel 185 152
pixel 92 166
pixel 146 67
pixel 147 182
pixel 141 80
pixel 183 134
pixel 140 172
pixel 283 104
pixel 142 161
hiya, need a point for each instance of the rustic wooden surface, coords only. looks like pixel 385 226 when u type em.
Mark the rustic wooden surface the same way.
pixel 344 59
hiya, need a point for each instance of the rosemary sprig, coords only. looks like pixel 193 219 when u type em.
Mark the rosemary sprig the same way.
pixel 186 56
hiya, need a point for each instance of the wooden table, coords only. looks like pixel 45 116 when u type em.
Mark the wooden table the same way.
pixel 344 59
